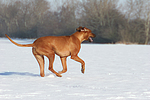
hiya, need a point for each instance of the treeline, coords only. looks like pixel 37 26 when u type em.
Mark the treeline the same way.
pixel 110 21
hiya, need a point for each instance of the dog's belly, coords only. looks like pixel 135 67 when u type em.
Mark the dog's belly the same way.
pixel 63 53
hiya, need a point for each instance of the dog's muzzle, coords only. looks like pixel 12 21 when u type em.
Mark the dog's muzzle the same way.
pixel 90 38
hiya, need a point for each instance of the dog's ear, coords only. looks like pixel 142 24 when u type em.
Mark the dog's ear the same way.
pixel 79 28
pixel 84 29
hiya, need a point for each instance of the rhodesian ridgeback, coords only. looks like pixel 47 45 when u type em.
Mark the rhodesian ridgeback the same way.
pixel 63 46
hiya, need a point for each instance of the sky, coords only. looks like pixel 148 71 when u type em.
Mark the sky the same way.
pixel 120 1
pixel 54 7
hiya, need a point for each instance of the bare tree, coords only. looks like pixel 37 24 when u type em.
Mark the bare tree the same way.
pixel 36 18
pixel 7 14
pixel 147 20
pixel 103 18
pixel 137 22
pixel 66 17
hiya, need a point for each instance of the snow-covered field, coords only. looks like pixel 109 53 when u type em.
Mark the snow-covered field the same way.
pixel 113 72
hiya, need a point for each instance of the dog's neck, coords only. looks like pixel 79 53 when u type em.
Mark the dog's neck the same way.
pixel 79 36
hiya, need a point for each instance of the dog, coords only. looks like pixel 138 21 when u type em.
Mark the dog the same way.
pixel 63 46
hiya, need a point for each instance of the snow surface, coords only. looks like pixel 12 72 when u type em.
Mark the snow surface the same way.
pixel 113 72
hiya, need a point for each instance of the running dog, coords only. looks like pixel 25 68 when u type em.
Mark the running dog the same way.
pixel 63 46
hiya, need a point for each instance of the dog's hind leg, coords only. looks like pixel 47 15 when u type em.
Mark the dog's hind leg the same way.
pixel 40 59
pixel 63 61
pixel 51 61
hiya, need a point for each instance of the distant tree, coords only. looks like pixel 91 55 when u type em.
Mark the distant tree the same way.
pixel 7 15
pixel 111 23
pixel 103 17
pixel 137 13
pixel 66 17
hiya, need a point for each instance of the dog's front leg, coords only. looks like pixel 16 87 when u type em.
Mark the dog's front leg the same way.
pixel 64 65
pixel 76 58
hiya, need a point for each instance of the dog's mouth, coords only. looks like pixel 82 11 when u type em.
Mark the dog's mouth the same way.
pixel 90 39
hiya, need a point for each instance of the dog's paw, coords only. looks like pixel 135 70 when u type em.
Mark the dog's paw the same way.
pixel 58 75
pixel 42 75
pixel 82 70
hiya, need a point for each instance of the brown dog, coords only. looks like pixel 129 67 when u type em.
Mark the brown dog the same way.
pixel 63 46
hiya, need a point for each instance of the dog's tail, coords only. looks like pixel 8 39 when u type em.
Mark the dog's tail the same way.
pixel 20 45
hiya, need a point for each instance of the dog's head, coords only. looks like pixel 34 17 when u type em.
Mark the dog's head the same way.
pixel 87 33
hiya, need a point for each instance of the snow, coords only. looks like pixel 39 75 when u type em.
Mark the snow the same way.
pixel 113 72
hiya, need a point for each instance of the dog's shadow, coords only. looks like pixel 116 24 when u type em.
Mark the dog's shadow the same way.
pixel 18 73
